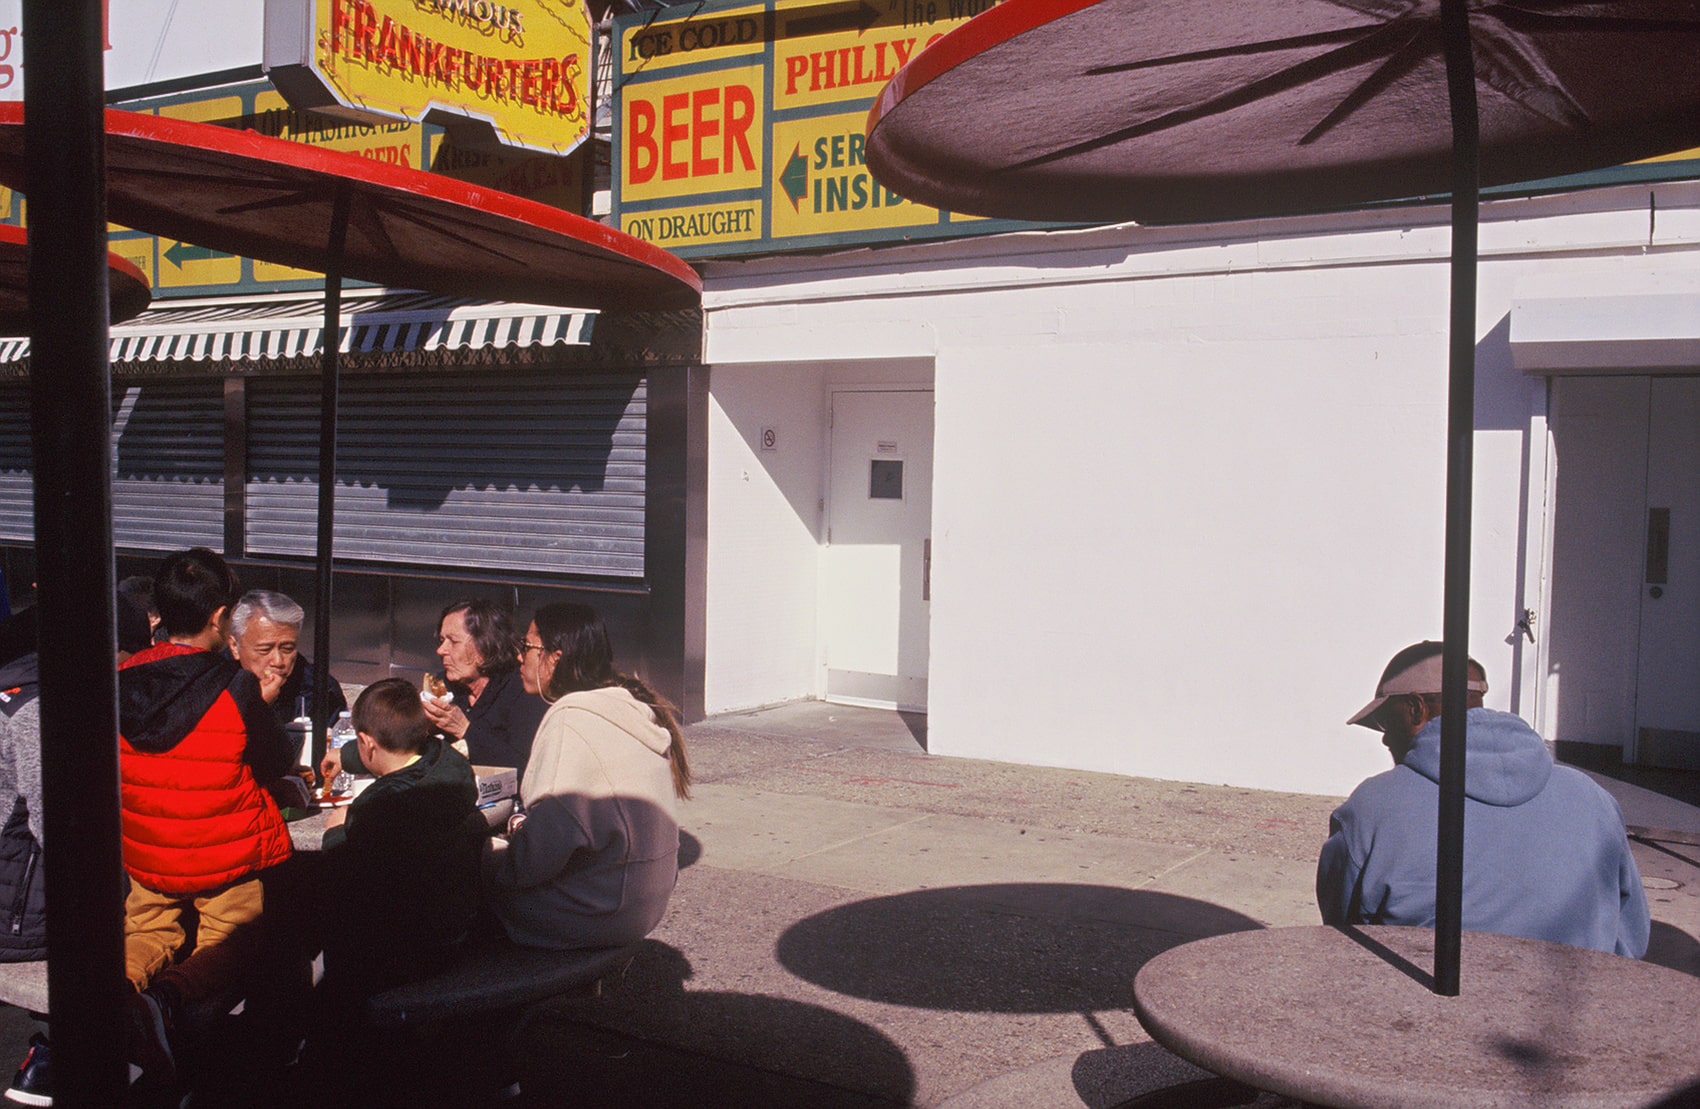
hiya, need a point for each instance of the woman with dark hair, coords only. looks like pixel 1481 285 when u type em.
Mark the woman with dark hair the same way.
pixel 594 858
pixel 489 709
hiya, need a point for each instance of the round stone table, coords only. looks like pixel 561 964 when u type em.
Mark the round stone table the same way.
pixel 1346 1017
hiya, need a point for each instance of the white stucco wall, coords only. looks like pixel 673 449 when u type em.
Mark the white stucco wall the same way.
pixel 765 509
pixel 764 535
pixel 1189 484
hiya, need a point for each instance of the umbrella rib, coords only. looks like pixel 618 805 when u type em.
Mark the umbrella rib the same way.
pixel 1406 58
pixel 366 217
pixel 447 230
pixel 1376 43
pixel 298 196
pixel 1318 39
pixel 195 177
pixel 1512 69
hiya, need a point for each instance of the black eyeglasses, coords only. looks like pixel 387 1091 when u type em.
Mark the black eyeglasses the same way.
pixel 525 647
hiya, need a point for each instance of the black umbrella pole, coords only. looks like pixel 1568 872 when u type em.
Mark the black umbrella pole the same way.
pixel 1460 432
pixel 329 369
pixel 64 136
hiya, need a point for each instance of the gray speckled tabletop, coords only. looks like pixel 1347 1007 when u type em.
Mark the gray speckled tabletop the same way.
pixel 1346 1017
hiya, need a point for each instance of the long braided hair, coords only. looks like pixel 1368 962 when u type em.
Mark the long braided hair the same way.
pixel 587 662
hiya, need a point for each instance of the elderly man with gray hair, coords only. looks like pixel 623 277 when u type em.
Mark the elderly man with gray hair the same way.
pixel 265 633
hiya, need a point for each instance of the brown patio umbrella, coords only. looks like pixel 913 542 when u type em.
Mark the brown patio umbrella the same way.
pixel 1187 110
pixel 1184 110
pixel 127 287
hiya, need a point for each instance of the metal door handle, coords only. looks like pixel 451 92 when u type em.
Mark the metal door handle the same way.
pixel 927 569
pixel 1658 547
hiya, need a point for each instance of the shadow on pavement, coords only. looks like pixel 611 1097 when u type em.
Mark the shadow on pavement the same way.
pixel 1671 947
pixel 1146 1076
pixel 651 1041
pixel 690 849
pixel 1045 947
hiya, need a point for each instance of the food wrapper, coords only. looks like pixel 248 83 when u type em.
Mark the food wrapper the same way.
pixel 433 690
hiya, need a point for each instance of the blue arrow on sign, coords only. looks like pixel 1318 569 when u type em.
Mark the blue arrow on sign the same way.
pixel 178 253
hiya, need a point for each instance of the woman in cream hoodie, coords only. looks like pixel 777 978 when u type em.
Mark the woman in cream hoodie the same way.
pixel 594 858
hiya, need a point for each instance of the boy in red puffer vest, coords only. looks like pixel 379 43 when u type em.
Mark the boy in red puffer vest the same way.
pixel 197 740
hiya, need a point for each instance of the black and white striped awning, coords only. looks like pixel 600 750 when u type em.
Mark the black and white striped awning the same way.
pixel 373 322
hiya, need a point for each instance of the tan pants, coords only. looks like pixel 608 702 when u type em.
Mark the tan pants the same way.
pixel 227 932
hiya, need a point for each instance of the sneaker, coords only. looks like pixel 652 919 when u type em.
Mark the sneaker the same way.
pixel 33 1084
pixel 150 1039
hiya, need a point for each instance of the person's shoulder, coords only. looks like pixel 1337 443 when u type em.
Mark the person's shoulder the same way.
pixel 508 691
pixel 1382 792
pixel 1576 788
pixel 451 765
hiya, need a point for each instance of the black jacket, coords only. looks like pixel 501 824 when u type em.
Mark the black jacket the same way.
pixel 401 873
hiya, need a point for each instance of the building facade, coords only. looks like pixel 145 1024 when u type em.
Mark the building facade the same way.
pixel 1141 500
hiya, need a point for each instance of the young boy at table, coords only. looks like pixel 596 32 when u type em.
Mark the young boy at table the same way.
pixel 400 863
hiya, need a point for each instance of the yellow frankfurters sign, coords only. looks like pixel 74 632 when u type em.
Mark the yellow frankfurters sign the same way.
pixel 520 66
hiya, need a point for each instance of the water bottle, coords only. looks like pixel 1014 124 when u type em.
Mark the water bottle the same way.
pixel 341 732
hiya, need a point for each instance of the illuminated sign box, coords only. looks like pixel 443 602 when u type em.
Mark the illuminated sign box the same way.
pixel 517 70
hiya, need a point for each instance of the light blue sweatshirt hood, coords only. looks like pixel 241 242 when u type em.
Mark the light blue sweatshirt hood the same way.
pixel 1506 762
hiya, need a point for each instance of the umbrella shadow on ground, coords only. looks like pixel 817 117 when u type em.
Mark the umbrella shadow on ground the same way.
pixel 649 1040
pixel 1147 1076
pixel 690 849
pixel 1671 947
pixel 1041 947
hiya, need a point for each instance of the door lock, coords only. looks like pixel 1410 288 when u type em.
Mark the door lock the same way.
pixel 1526 623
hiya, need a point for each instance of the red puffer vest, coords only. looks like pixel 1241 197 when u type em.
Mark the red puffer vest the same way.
pixel 193 816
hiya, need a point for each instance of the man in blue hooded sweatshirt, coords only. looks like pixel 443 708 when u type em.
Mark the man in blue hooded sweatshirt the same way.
pixel 1545 854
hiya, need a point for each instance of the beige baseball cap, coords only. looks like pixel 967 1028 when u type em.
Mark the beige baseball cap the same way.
pixel 1416 669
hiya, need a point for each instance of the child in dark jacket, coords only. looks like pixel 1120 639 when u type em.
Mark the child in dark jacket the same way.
pixel 401 862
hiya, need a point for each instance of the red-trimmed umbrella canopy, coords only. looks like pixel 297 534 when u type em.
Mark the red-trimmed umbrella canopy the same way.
pixel 1181 110
pixel 346 216
pixel 272 199
pixel 127 286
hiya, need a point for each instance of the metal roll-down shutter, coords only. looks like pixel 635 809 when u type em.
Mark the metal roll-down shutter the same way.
pixel 532 472
pixel 168 465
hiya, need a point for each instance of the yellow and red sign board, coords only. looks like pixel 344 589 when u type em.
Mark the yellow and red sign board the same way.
pixel 519 67
pixel 738 127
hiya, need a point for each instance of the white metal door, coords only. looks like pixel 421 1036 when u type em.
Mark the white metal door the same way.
pixel 875 587
pixel 1623 629
pixel 1667 703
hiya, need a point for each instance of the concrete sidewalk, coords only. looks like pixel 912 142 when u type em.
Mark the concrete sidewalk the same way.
pixel 861 923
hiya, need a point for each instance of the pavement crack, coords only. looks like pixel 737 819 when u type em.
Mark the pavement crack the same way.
pixel 1166 871
pixel 858 839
